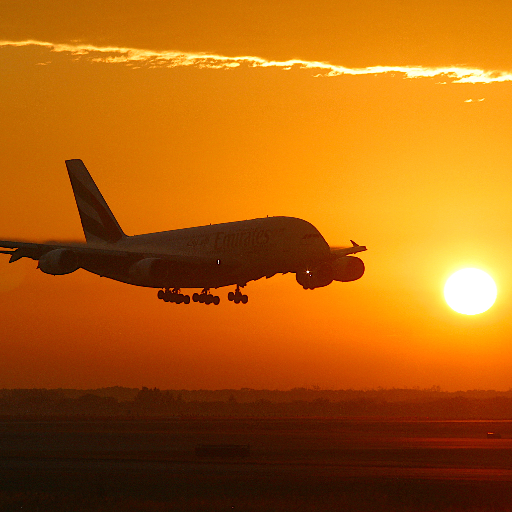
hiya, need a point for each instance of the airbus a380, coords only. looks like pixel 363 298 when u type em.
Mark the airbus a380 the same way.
pixel 204 257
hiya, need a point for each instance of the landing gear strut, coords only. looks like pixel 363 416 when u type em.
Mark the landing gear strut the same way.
pixel 237 296
pixel 205 297
pixel 173 295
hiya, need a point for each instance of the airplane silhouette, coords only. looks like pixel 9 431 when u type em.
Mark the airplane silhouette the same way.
pixel 203 257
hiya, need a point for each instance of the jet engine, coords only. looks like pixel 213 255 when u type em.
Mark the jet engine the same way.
pixel 150 270
pixel 58 262
pixel 315 277
pixel 347 268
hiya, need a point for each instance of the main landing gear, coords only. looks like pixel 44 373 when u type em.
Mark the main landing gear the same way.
pixel 206 298
pixel 173 295
pixel 237 296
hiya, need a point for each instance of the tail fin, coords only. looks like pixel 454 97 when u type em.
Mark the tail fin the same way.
pixel 98 221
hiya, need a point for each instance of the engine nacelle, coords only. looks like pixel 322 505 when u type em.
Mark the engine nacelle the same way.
pixel 347 268
pixel 150 271
pixel 315 277
pixel 58 262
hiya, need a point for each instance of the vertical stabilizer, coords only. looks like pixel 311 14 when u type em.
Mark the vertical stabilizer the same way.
pixel 98 221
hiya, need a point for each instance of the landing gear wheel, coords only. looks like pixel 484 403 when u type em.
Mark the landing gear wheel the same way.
pixel 237 296
pixel 173 295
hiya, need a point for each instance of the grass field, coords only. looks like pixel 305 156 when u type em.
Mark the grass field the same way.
pixel 293 465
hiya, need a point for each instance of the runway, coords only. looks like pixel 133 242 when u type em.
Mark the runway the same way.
pixel 367 465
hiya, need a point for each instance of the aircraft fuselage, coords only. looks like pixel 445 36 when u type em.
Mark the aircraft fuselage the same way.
pixel 239 252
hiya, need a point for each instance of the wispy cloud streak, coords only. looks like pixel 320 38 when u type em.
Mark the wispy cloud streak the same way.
pixel 136 57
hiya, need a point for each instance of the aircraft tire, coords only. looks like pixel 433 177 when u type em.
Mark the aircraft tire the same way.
pixel 186 299
pixel 245 299
pixel 195 297
pixel 231 296
pixel 216 300
pixel 160 294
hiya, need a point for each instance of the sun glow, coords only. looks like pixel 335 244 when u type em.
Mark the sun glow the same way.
pixel 470 291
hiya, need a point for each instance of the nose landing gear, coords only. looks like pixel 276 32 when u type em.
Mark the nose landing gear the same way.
pixel 205 297
pixel 237 296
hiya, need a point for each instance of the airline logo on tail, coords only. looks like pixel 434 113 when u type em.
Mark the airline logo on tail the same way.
pixel 98 221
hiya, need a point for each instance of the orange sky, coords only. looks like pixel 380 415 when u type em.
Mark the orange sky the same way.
pixel 353 115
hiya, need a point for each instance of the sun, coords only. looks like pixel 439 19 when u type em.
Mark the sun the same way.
pixel 470 291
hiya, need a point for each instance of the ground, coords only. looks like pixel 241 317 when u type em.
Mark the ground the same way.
pixel 293 465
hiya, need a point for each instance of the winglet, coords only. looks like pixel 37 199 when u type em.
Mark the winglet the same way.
pixel 344 251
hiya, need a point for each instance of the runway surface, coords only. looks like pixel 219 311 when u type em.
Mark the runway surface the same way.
pixel 293 464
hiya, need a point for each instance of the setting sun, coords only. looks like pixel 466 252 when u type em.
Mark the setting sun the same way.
pixel 470 291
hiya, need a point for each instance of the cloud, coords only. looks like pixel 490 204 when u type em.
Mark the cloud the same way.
pixel 137 57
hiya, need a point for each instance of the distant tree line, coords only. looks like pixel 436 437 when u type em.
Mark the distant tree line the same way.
pixel 299 402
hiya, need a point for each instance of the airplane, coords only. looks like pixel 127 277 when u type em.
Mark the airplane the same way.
pixel 203 257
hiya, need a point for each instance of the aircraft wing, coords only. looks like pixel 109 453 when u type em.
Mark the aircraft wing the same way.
pixel 338 252
pixel 34 251
pixel 25 249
